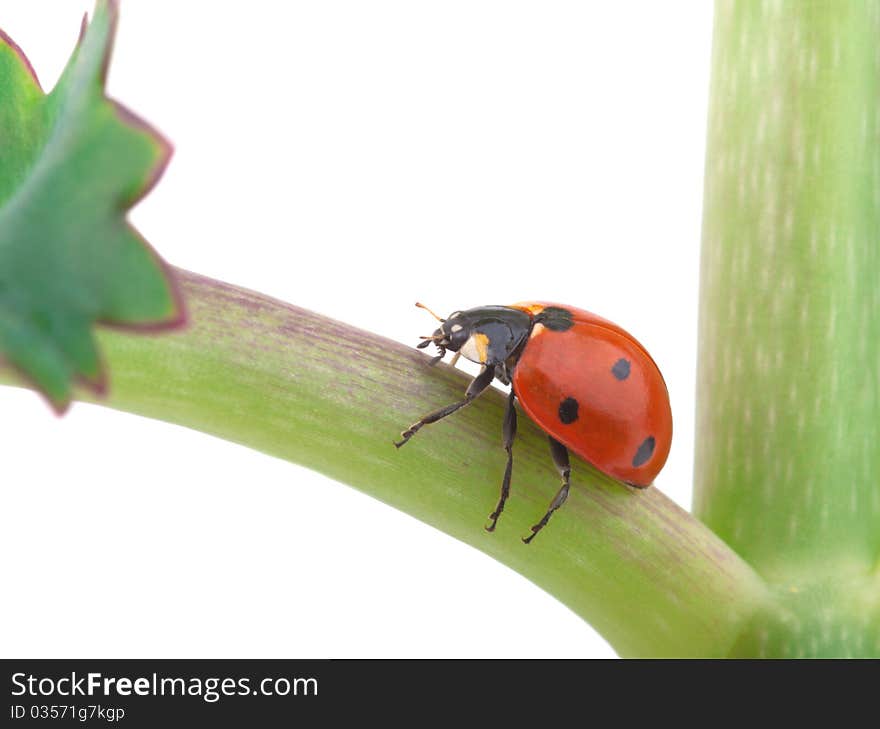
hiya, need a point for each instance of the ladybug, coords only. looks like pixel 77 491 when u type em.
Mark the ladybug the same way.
pixel 584 380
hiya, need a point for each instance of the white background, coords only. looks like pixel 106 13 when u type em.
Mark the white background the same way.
pixel 353 157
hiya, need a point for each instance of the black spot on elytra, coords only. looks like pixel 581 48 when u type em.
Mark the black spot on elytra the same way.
pixel 646 449
pixel 568 410
pixel 621 369
pixel 555 318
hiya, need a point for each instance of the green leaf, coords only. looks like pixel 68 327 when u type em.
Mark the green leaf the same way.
pixel 71 163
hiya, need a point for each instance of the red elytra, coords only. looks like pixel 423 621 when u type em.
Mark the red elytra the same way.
pixel 588 383
pixel 622 420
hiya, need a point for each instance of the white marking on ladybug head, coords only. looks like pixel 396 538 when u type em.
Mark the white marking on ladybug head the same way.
pixel 476 348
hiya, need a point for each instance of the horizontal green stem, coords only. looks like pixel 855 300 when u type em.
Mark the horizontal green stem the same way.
pixel 649 577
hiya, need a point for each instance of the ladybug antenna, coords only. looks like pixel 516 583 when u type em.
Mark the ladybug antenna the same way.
pixel 422 306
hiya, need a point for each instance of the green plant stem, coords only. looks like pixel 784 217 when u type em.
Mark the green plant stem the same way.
pixel 790 311
pixel 788 458
pixel 650 578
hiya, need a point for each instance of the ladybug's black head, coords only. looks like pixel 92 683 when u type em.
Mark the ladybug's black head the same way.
pixel 485 335
pixel 452 334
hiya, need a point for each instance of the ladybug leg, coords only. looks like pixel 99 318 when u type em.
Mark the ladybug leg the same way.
pixel 478 384
pixel 560 459
pixel 440 356
pixel 509 435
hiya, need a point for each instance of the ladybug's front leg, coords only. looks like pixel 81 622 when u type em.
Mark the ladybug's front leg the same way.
pixel 478 384
pixel 560 458
pixel 509 434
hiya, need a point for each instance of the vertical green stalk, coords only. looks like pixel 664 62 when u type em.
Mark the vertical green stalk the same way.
pixel 788 462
